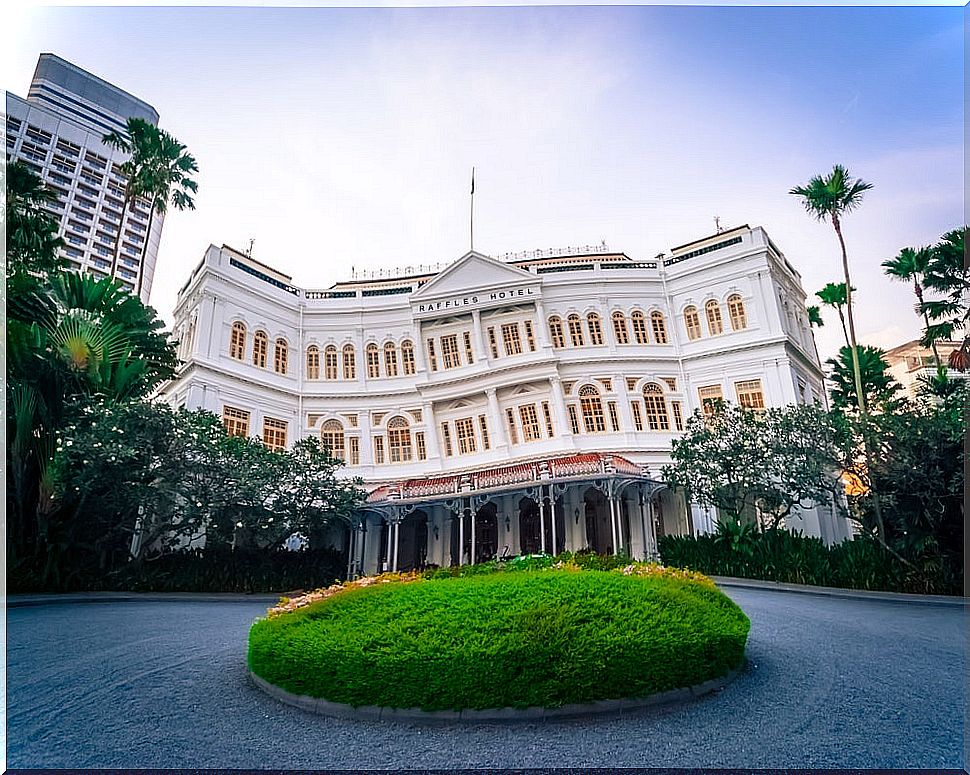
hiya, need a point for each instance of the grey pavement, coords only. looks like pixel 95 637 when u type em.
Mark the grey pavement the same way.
pixel 830 682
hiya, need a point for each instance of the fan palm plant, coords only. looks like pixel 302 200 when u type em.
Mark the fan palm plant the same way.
pixel 947 273
pixel 910 265
pixel 831 197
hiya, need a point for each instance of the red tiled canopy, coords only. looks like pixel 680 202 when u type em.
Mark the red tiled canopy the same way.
pixel 589 464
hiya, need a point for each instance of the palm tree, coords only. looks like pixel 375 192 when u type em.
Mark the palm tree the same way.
pixel 169 182
pixel 814 317
pixel 909 265
pixel 879 386
pixel 833 295
pixel 947 274
pixel 158 169
pixel 831 197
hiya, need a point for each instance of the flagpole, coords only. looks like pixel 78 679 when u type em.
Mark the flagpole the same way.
pixel 471 217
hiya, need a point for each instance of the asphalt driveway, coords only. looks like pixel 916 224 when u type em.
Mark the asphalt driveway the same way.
pixel 830 682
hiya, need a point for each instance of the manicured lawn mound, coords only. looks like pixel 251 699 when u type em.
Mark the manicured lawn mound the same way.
pixel 544 638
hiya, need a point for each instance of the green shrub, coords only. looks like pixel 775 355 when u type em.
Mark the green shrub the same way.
pixel 531 638
pixel 792 558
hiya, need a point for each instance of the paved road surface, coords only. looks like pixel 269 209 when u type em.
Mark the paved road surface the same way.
pixel 830 683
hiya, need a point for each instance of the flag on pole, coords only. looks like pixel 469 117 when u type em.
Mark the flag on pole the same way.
pixel 473 180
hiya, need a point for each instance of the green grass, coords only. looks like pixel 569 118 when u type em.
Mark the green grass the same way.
pixel 543 638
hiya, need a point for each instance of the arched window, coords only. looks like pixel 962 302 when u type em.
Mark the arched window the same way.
pixel 330 362
pixel 714 323
pixel 555 332
pixel 313 362
pixel 739 320
pixel 390 359
pixel 407 356
pixel 640 327
pixel 657 418
pixel 332 437
pixel 692 323
pixel 280 356
pixel 619 328
pixel 575 331
pixel 399 440
pixel 350 362
pixel 237 341
pixel 373 362
pixel 260 348
pixel 659 327
pixel 595 328
pixel 592 409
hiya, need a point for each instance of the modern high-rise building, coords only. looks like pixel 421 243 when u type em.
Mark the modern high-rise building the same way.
pixel 57 133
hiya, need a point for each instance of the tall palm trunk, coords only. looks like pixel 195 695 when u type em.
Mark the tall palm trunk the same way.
pixel 121 228
pixel 845 333
pixel 918 290
pixel 144 249
pixel 861 399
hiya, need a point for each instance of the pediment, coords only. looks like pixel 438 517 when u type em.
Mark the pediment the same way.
pixel 473 272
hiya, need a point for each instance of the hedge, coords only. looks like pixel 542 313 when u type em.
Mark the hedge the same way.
pixel 534 638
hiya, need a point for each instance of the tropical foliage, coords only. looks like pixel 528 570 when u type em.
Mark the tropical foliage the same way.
pixel 880 390
pixel 758 464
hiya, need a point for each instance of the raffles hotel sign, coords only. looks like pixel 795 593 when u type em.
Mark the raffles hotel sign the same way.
pixel 477 300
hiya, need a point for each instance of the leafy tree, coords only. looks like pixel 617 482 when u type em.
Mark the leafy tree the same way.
pixel 946 273
pixel 771 461
pixel 910 266
pixel 880 388
pixel 32 241
pixel 158 169
pixel 832 197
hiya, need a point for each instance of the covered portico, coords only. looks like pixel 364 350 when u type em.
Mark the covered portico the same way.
pixel 597 501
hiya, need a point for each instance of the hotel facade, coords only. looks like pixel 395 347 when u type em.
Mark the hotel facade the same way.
pixel 504 406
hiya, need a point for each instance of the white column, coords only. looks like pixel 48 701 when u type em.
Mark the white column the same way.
pixel 623 401
pixel 366 439
pixel 541 327
pixel 431 444
pixel 420 355
pixel 387 554
pixel 612 501
pixel 397 530
pixel 461 535
pixel 478 341
pixel 542 520
pixel 499 435
pixel 563 427
pixel 474 515
pixel 552 513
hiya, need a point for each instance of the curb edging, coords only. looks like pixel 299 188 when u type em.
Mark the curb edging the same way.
pixel 598 708
pixel 840 592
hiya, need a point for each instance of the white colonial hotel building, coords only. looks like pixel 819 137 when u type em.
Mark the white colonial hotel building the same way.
pixel 500 407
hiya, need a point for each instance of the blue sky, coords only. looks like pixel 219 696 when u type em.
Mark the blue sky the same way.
pixel 340 137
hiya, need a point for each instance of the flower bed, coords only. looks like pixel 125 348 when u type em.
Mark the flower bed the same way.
pixel 545 638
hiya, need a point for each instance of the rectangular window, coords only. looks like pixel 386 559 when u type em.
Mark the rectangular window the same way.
pixel 446 438
pixel 274 433
pixel 419 443
pixel 513 435
pixel 465 433
pixel 749 394
pixel 709 396
pixel 547 415
pixel 469 355
pixel 236 421
pixel 432 359
pixel 678 415
pixel 530 335
pixel 511 340
pixel 573 418
pixel 449 351
pixel 637 415
pixel 379 449
pixel 614 419
pixel 354 451
pixel 530 423
pixel 492 344
pixel 484 428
